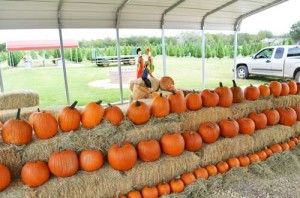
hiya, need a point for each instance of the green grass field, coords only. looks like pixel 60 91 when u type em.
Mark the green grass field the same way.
pixel 48 81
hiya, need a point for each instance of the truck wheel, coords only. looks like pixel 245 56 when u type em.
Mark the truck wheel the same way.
pixel 242 72
pixel 297 76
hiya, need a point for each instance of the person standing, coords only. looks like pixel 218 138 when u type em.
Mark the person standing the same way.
pixel 140 63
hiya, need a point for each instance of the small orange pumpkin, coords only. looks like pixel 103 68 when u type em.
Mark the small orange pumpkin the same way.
pixel 91 160
pixel 288 116
pixel 201 173
pixel 285 146
pixel 176 185
pixel 188 178
pixel 237 92
pixel 276 148
pixel 273 116
pixel 138 112
pixel 229 128
pixel 166 83
pixel 275 88
pixel 233 162
pixel 225 95
pixel 292 144
pixel 209 98
pixel 149 150
pixel 264 90
pixel 160 106
pixel 293 87
pixel 35 174
pixel 177 102
pixel 92 115
pixel 222 167
pixel 246 126
pixel 212 170
pixel 268 151
pixel 285 89
pixel 244 161
pixel 44 125
pixel 193 101
pixel 209 132
pixel 134 194
pixel 114 114
pixel 254 158
pixel 252 93
pixel 149 192
pixel 262 155
pixel 260 120
pixel 172 144
pixel 5 177
pixel 163 189
pixel 192 140
pixel 69 118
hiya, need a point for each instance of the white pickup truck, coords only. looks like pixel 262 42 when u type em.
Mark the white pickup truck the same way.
pixel 281 61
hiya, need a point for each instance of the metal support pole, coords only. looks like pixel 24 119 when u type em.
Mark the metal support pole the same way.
pixel 163 45
pixel 1 82
pixel 119 65
pixel 203 59
pixel 235 53
pixel 9 61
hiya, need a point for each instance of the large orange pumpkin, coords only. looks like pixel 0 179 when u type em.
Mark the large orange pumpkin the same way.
pixel 209 98
pixel 177 102
pixel 288 116
pixel 192 140
pixel 297 110
pixel 90 160
pixel 122 157
pixel 134 194
pixel 225 95
pixel 209 132
pixel 193 101
pixel 293 87
pixel 260 120
pixel 176 185
pixel 138 112
pixel 44 125
pixel 35 174
pixel 201 173
pixel 252 93
pixel 16 131
pixel 212 170
pixel 163 189
pixel 69 118
pixel 264 90
pixel 244 161
pixel 160 106
pixel 32 115
pixel 148 150
pixel 275 88
pixel 233 162
pixel 5 177
pixel 273 116
pixel 229 127
pixel 246 126
pixel 172 144
pixel 149 192
pixel 92 115
pixel 63 163
pixel 222 167
pixel 114 115
pixel 237 92
pixel 285 89
pixel 166 83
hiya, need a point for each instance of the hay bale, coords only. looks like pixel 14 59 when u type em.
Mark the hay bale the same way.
pixel 286 101
pixel 296 127
pixel 10 157
pixel 18 99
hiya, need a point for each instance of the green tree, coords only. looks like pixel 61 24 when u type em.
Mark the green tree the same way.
pixel 295 31
pixel 15 58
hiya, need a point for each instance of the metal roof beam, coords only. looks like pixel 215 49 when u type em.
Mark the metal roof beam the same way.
pixel 118 13
pixel 59 7
pixel 215 10
pixel 239 20
pixel 162 22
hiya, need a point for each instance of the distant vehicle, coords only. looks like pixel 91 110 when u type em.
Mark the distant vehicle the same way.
pixel 105 61
pixel 280 61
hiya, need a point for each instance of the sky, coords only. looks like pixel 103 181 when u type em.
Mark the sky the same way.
pixel 279 19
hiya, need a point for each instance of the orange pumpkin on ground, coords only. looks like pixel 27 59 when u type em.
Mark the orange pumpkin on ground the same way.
pixel 193 101
pixel 166 83
pixel 35 174
pixel 5 177
pixel 92 115
pixel 91 160
pixel 212 170
pixel 254 158
pixel 209 98
pixel 262 155
pixel 288 116
pixel 285 146
pixel 251 93
pixel 177 102
pixel 188 178
pixel 201 173
pixel 149 192
pixel 63 163
pixel 244 161
pixel 264 90
pixel 114 114
pixel 273 116
pixel 237 93
pixel 293 87
pixel 122 157
pixel 276 148
pixel 209 132
pixel 260 120
pixel 275 88
pixel 297 110
pixel 44 125
pixel 149 150
pixel 160 106
pixel 69 118
pixel 233 162
pixel 134 194
pixel 163 189
pixel 16 131
pixel 177 185
pixel 285 90
pixel 172 144
pixel 222 167
pixel 225 95
pixel 268 151
pixel 229 128
pixel 138 112
pixel 246 126
pixel 192 140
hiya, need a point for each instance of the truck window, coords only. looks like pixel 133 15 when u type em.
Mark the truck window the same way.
pixel 265 54
pixel 279 53
pixel 295 51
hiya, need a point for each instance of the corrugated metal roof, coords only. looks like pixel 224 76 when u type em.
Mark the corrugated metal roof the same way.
pixel 188 14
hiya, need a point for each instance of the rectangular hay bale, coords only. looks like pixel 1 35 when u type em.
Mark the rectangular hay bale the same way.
pixel 18 99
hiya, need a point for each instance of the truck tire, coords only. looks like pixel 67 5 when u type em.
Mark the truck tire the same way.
pixel 242 72
pixel 297 76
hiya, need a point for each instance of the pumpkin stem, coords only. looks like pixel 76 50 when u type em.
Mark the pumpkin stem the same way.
pixel 173 91
pixel 251 85
pixel 234 83
pixel 221 84
pixel 99 102
pixel 109 104
pixel 38 110
pixel 138 103
pixel 160 94
pixel 18 114
pixel 74 104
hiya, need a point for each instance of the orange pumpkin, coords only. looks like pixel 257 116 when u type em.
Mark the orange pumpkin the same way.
pixel 166 83
pixel 172 144
pixel 285 146
pixel 254 158
pixel 192 140
pixel 1 125
pixel 69 118
pixel 237 93
pixel 273 116
pixel 222 167
pixel 246 126
pixel 295 140
pixel 268 151
pixel 252 93
pixel 16 131
pixel 275 88
pixel 134 194
pixel 122 196
pixel 138 112
pixel 244 161
pixel 288 116
pixel 260 120
pixel 5 177
pixel 188 178
pixel 225 95
pixel 63 163
pixel 264 90
pixel 176 185
pixel 193 101
pixel 292 144
pixel 163 189
pixel 285 89
pixel 276 148
pixel 32 115
pixel 177 102
pixel 297 110
pixel 233 162
pixel 122 157
pixel 148 150
pixel 91 160
pixel 149 192
pixel 212 170
pixel 209 132
pixel 262 155
pixel 44 125
pixel 201 173
pixel 293 87
pixel 35 174
pixel 209 98
pixel 160 106
pixel 92 115
pixel 114 115
pixel 229 127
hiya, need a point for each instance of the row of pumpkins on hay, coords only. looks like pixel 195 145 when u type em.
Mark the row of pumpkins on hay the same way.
pixel 45 125
pixel 178 184
pixel 123 157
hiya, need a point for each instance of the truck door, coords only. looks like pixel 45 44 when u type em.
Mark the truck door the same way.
pixel 277 62
pixel 261 63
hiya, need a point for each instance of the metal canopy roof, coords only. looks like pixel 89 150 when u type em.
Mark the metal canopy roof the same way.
pixel 173 14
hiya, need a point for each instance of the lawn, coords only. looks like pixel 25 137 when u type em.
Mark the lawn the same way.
pixel 48 81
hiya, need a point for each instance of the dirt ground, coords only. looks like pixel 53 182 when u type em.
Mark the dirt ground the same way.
pixel 279 176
